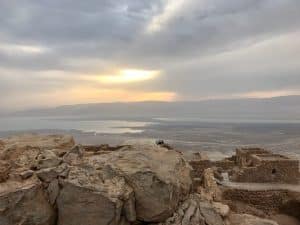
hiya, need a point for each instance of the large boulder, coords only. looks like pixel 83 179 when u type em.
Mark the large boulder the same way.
pixel 160 179
pixel 88 197
pixel 25 202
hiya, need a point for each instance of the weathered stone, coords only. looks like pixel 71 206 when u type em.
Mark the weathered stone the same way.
pixel 40 141
pixel 53 191
pixel 245 219
pixel 23 151
pixel 160 179
pixel 49 174
pixel 4 171
pixel 129 208
pixel 47 159
pixel 85 193
pixel 210 189
pixel 222 209
pixel 122 186
pixel 24 202
pixel 195 211
pixel 26 174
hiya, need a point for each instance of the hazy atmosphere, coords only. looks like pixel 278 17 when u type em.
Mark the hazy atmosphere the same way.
pixel 66 52
pixel 149 112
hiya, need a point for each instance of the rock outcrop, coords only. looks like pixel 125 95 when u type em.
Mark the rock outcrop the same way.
pixel 25 202
pixel 47 180
pixel 195 211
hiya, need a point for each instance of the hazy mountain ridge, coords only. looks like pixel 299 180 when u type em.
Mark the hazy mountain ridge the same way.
pixel 279 108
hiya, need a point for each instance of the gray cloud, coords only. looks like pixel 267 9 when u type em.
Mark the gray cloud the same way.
pixel 203 48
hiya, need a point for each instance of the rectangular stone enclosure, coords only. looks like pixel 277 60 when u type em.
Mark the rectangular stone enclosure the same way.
pixel 262 166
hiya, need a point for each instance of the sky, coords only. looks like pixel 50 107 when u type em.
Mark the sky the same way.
pixel 68 52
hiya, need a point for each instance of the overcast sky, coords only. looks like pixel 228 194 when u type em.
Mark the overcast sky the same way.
pixel 55 52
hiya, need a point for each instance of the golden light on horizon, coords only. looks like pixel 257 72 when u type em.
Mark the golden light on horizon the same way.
pixel 128 76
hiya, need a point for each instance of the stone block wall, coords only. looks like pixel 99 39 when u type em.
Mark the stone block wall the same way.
pixel 281 171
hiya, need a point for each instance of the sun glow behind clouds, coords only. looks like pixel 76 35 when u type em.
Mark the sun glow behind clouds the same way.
pixel 128 76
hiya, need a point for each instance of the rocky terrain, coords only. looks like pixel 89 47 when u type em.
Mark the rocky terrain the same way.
pixel 49 180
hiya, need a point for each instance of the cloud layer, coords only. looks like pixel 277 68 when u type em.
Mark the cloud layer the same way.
pixel 201 48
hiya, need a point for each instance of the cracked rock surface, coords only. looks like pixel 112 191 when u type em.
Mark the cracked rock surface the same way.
pixel 47 180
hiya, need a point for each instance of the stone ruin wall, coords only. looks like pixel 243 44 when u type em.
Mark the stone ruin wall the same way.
pixel 278 201
pixel 285 171
pixel 244 155
pixel 200 165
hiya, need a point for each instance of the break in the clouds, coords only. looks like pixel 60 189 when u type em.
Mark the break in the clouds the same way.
pixel 63 51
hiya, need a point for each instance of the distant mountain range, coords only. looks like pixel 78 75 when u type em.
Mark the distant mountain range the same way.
pixel 278 108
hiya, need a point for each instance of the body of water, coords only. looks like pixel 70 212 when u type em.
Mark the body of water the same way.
pixel 97 126
pixel 217 138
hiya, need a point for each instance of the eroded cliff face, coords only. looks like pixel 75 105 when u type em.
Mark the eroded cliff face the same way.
pixel 47 180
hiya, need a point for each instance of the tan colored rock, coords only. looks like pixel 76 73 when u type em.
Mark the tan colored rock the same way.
pixel 24 202
pixel 245 219
pixel 49 174
pixel 26 151
pixel 221 208
pixel 53 191
pixel 98 187
pixel 47 159
pixel 160 179
pixel 86 198
pixel 210 189
pixel 195 211
pixel 26 174
pixel 40 141
pixel 4 171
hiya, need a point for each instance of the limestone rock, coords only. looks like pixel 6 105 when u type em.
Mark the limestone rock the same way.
pixel 47 159
pixel 24 202
pixel 86 198
pixel 210 189
pixel 245 219
pixel 94 186
pixel 26 151
pixel 4 171
pixel 160 179
pixel 40 141
pixel 195 211
pixel 49 174
pixel 222 209
pixel 53 191
pixel 26 174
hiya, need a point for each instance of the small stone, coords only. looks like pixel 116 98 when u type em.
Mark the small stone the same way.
pixel 222 209
pixel 26 174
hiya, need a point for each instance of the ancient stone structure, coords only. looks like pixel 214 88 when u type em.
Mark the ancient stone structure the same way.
pixel 261 166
